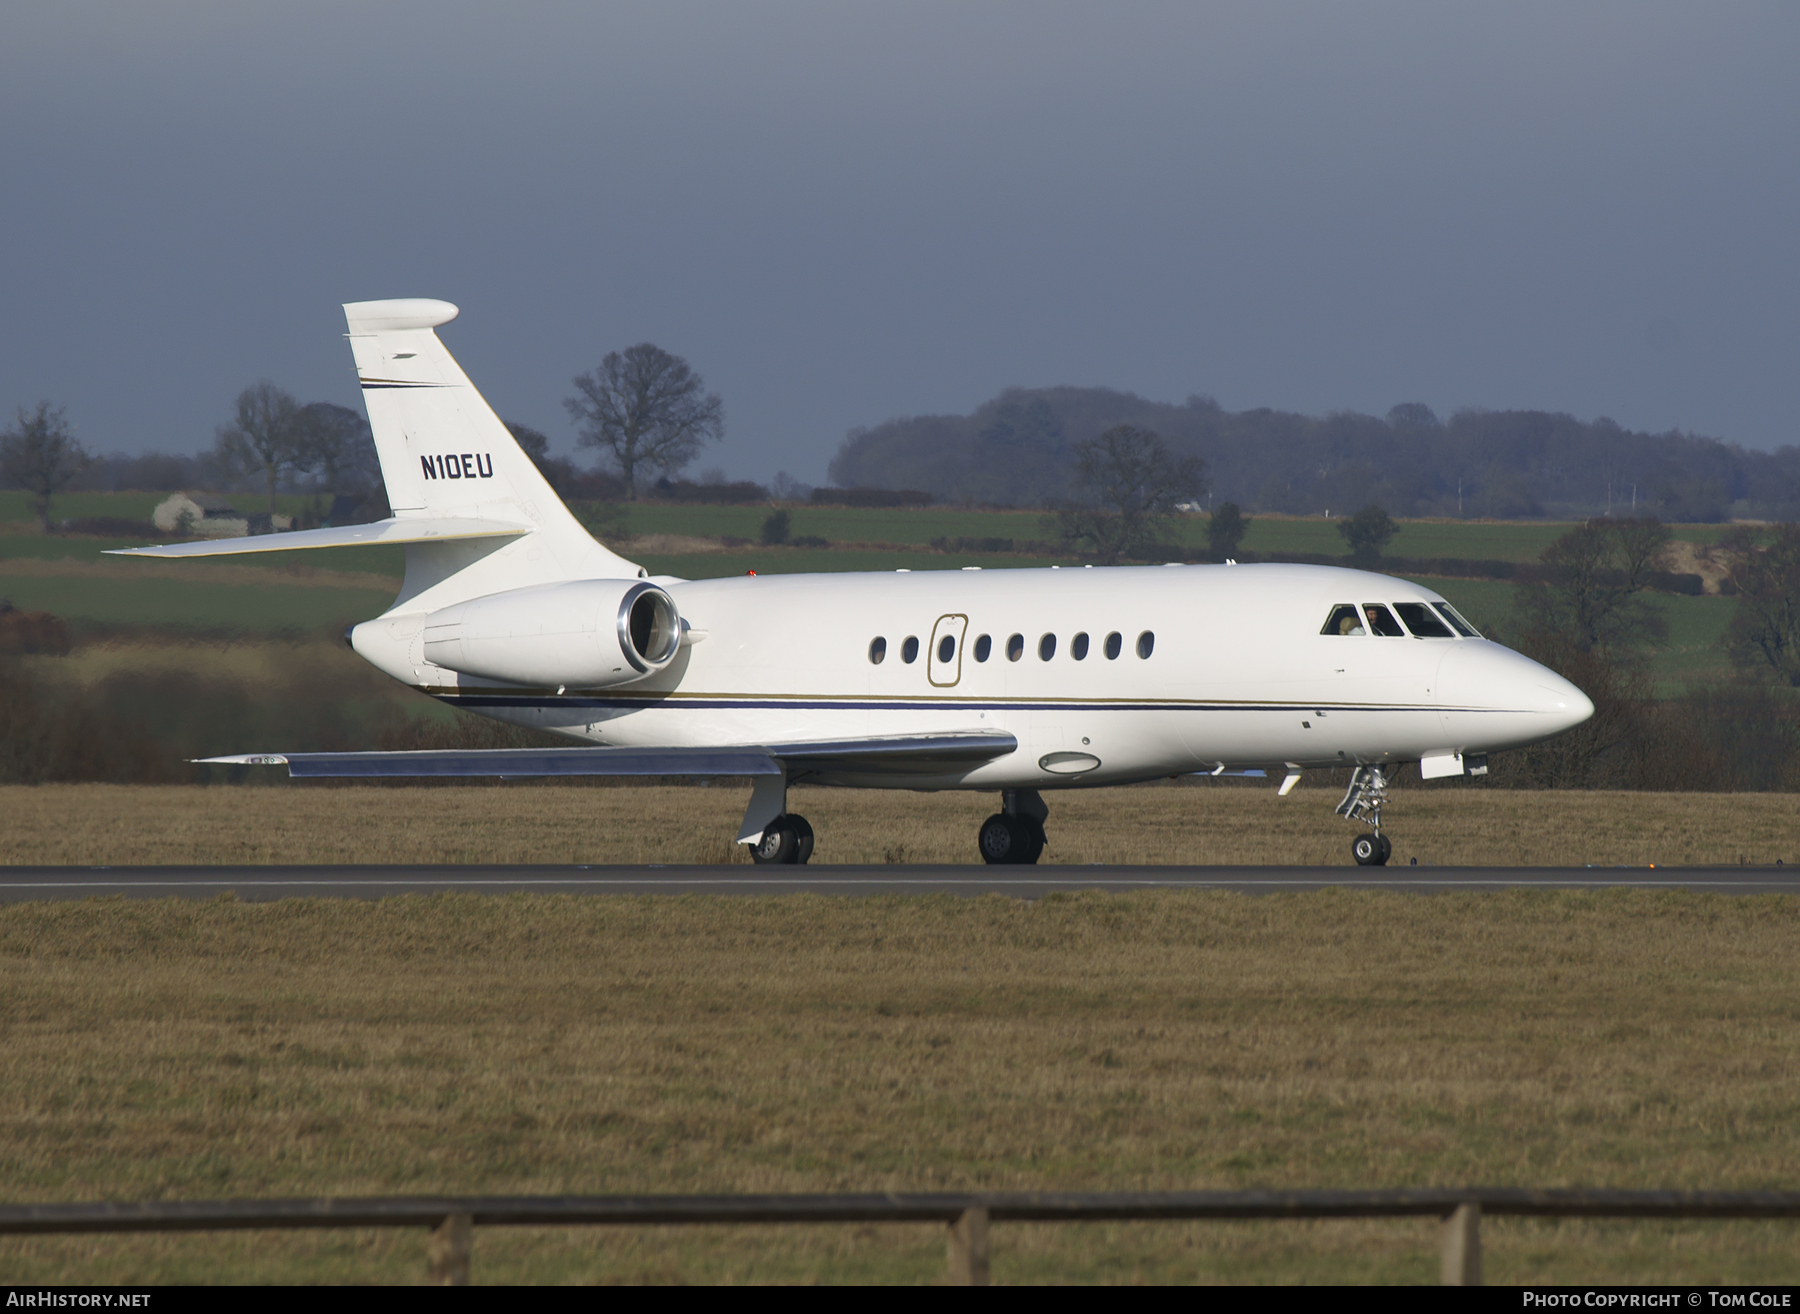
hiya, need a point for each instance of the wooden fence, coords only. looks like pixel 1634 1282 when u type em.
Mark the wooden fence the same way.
pixel 451 1220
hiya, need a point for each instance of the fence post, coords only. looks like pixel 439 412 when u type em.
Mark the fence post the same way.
pixel 969 1248
pixel 447 1252
pixel 1461 1265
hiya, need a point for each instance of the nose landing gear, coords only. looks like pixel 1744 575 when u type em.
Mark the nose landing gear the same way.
pixel 1362 802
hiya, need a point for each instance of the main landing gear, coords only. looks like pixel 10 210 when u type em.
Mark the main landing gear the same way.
pixel 1362 802
pixel 1015 834
pixel 788 838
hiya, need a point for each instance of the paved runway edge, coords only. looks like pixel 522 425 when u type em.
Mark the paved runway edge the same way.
pixel 259 883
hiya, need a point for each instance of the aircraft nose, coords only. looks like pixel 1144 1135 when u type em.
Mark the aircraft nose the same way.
pixel 1572 707
pixel 1484 677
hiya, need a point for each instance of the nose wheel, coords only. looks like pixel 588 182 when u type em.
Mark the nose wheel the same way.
pixel 1362 802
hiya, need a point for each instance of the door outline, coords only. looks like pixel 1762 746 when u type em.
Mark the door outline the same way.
pixel 955 624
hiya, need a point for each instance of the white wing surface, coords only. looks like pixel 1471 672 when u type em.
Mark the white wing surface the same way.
pixel 379 532
pixel 929 754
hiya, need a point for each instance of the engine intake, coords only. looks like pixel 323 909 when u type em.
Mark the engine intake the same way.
pixel 591 633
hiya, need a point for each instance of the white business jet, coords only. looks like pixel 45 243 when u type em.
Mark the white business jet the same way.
pixel 1015 681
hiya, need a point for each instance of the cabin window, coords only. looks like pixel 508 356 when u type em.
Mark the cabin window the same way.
pixel 1146 644
pixel 1046 647
pixel 1456 619
pixel 1114 645
pixel 909 651
pixel 1344 619
pixel 1078 647
pixel 946 647
pixel 983 647
pixel 1015 647
pixel 877 651
pixel 1381 621
pixel 1422 621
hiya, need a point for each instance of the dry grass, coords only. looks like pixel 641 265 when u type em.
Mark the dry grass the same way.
pixel 1206 823
pixel 1157 1040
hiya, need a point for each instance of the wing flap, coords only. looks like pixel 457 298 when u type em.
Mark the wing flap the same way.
pixel 423 530
pixel 896 754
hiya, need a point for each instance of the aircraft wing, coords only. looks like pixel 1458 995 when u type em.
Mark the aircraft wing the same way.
pixel 381 531
pixel 927 754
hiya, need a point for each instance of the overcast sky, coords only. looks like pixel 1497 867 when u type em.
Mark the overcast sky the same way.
pixel 842 213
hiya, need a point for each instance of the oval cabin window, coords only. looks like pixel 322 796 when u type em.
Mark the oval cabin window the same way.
pixel 1015 647
pixel 946 648
pixel 909 651
pixel 1146 644
pixel 1078 647
pixel 1114 646
pixel 984 646
pixel 877 651
pixel 1046 647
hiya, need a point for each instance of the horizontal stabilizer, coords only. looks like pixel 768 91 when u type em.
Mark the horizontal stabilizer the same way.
pixel 911 754
pixel 380 532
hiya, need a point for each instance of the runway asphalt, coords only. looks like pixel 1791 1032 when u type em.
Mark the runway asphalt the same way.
pixel 19 884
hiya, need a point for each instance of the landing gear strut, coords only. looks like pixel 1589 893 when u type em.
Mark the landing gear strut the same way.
pixel 1362 802
pixel 788 838
pixel 1015 834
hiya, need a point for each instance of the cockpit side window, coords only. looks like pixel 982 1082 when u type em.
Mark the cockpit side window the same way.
pixel 1456 620
pixel 1344 619
pixel 1422 621
pixel 1382 622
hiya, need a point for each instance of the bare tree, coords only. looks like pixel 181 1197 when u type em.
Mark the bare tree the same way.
pixel 40 455
pixel 644 407
pixel 1589 584
pixel 1765 631
pixel 1133 484
pixel 266 438
pixel 336 442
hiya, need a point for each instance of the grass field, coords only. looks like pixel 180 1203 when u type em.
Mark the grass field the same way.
pixel 1204 822
pixel 476 1045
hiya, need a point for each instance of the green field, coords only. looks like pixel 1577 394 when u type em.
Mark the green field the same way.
pixel 279 592
pixel 16 506
pixel 200 604
pixel 1471 539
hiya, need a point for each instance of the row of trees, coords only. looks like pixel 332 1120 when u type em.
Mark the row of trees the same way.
pixel 1019 449
pixel 1130 487
pixel 1587 612
pixel 647 412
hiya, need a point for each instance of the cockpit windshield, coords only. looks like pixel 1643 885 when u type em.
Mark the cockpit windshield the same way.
pixel 1457 622
pixel 1422 621
pixel 1382 622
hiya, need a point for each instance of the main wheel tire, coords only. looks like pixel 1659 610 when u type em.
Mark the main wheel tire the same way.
pixel 1367 851
pixel 778 843
pixel 1387 851
pixel 1001 840
pixel 803 837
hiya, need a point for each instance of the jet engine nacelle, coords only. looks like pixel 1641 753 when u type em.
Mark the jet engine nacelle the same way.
pixel 591 632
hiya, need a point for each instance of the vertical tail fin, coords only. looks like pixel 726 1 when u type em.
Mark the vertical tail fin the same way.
pixel 445 454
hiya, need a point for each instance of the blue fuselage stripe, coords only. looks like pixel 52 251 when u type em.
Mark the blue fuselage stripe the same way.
pixel 959 705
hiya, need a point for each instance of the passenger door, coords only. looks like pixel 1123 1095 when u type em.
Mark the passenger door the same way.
pixel 944 658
